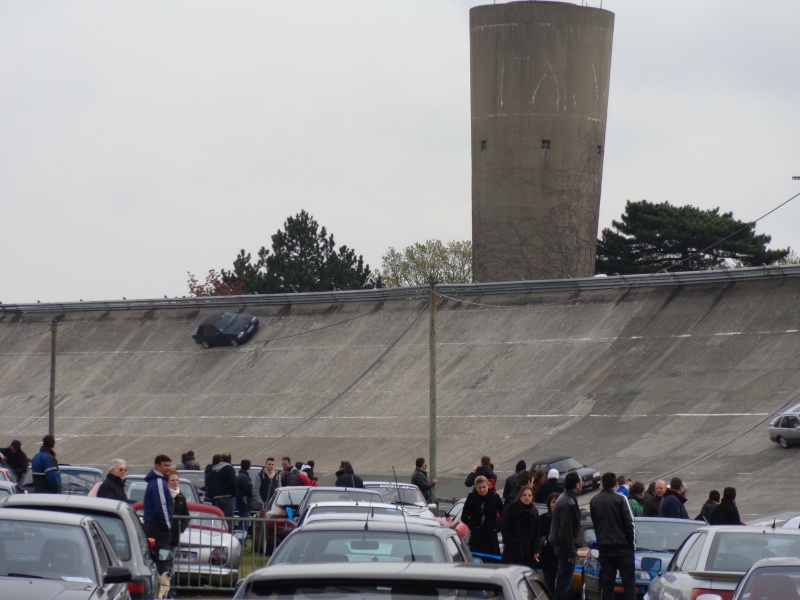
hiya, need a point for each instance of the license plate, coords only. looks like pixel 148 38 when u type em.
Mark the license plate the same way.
pixel 190 556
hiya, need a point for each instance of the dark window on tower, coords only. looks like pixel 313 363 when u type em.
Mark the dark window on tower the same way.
pixel 545 144
pixel 484 144
pixel 599 149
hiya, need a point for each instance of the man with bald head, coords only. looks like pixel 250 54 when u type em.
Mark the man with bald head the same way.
pixel 650 508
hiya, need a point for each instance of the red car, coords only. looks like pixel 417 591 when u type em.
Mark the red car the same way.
pixel 268 535
pixel 452 518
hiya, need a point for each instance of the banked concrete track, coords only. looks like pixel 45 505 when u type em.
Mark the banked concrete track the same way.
pixel 650 376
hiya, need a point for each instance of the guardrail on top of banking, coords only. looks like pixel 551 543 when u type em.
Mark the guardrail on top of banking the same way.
pixel 416 292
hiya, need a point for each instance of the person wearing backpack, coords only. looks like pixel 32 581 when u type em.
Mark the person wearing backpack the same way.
pixel 289 475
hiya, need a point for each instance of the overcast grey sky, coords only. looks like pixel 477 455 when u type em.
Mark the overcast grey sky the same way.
pixel 141 140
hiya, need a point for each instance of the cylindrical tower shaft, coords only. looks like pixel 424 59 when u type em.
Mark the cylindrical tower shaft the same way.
pixel 539 89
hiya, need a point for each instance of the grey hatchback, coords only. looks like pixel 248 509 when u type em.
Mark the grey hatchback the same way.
pixel 118 522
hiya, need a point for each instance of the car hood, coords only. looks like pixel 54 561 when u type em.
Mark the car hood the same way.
pixel 45 589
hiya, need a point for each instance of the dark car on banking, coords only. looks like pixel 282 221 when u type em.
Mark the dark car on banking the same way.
pixel 225 329
pixel 46 554
pixel 394 580
pixel 565 464
pixel 120 525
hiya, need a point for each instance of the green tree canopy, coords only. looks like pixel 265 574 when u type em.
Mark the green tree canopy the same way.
pixel 304 258
pixel 416 264
pixel 653 237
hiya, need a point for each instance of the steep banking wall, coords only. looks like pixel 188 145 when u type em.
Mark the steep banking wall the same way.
pixel 648 381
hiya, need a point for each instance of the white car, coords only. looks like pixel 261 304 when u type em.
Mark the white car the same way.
pixel 362 511
pixel 713 559
pixel 406 495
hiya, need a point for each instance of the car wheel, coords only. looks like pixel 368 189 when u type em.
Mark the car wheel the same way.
pixel 234 342
pixel 783 442
pixel 204 344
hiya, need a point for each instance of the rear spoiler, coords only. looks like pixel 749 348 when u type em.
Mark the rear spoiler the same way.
pixel 724 575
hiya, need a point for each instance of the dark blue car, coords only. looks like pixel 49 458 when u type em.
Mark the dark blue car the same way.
pixel 225 329
pixel 657 540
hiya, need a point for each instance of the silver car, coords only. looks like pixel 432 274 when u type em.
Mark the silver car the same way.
pixel 713 560
pixel 406 495
pixel 785 428
pixel 768 579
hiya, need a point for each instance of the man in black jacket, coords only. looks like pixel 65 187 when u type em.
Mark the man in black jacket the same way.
pixel 223 483
pixel 16 459
pixel 485 469
pixel 616 542
pixel 565 529
pixel 244 493
pixel 114 484
pixel 511 487
pixel 420 479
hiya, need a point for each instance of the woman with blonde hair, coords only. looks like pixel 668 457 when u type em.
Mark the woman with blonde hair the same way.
pixel 481 512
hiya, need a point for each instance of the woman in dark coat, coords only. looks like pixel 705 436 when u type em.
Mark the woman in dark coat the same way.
pixel 346 476
pixel 480 513
pixel 522 536
pixel 726 512
pixel 547 557
pixel 179 508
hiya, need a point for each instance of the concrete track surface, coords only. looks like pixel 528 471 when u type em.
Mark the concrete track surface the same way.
pixel 651 381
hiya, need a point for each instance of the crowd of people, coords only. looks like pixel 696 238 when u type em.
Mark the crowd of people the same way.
pixel 551 541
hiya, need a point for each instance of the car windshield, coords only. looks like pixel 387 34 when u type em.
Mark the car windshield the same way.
pixel 566 464
pixel 135 488
pixel 308 547
pixel 290 497
pixel 736 552
pixel 45 551
pixel 224 321
pixel 772 582
pixel 400 495
pixel 662 537
pixel 383 590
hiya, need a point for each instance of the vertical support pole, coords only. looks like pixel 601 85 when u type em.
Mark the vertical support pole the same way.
pixel 52 408
pixel 432 344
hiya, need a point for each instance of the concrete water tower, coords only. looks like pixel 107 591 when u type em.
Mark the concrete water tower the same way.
pixel 539 89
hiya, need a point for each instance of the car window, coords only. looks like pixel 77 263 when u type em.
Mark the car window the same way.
pixel 737 551
pixel 694 541
pixel 566 464
pixel 453 550
pixel 455 512
pixel 308 547
pixel 102 553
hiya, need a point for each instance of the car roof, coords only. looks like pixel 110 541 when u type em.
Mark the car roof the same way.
pixel 717 529
pixel 398 484
pixel 48 516
pixel 58 500
pixel 212 318
pixel 79 468
pixel 343 503
pixel 379 526
pixel 550 459
pixel 141 478
pixel 776 561
pixel 415 571
pixel 667 520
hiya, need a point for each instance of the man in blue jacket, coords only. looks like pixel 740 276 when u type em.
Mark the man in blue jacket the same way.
pixel 158 510
pixel 44 468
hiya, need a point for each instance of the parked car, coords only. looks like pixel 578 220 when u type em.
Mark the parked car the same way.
pixel 79 480
pixel 363 512
pixel 565 464
pixel 57 555
pixel 379 541
pixel 768 579
pixel 394 580
pixel 335 494
pixel 8 488
pixel 785 428
pixel 208 554
pixel 713 559
pixel 452 518
pixel 198 479
pixel 266 536
pixel 135 486
pixel 657 540
pixel 225 329
pixel 406 495
pixel 120 525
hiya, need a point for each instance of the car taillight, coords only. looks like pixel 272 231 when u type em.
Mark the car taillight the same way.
pixel 724 594
pixel 219 556
pixel 136 587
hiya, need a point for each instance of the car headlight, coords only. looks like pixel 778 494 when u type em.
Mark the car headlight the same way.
pixel 596 475
pixel 219 556
pixel 240 334
pixel 643 575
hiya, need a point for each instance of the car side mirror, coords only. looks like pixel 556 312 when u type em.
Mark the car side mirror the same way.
pixel 651 564
pixel 117 574
pixel 441 513
pixel 432 506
